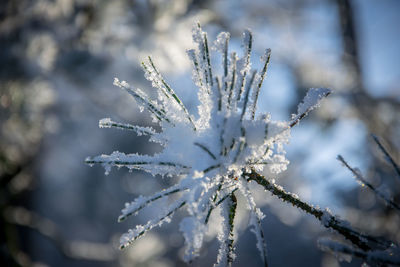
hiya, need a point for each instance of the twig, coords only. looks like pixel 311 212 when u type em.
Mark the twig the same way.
pixel 388 157
pixel 206 150
pixel 361 179
pixel 376 257
pixel 328 220
pixel 230 239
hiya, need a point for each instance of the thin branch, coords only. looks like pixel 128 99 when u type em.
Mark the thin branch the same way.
pixel 206 150
pixel 225 63
pixel 387 155
pixel 142 99
pixel 208 58
pixel 361 179
pixel 158 195
pixel 218 82
pixel 151 224
pixel 230 239
pixel 246 98
pixel 263 249
pixel 108 123
pixel 170 91
pixel 242 144
pixel 328 220
pixel 376 257
pixel 233 81
pixel 134 163
pixel 205 56
pixel 247 42
pixel 212 168
pixel 263 74
pixel 217 203
pixel 299 117
pixel 193 57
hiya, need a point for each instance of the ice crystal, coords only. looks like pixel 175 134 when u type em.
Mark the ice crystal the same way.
pixel 212 153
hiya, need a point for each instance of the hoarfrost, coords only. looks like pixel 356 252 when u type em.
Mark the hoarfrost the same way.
pixel 220 44
pixel 311 100
pixel 212 154
pixel 193 232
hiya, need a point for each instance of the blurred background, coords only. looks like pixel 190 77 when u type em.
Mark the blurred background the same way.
pixel 58 59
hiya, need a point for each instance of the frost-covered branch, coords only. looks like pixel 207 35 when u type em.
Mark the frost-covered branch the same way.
pixel 226 253
pixel 379 257
pixel 255 221
pixel 387 155
pixel 139 162
pixel 212 154
pixel 140 230
pixel 325 217
pixel 158 82
pixel 359 177
pixel 108 123
pixel 216 204
pixel 143 100
pixel 142 202
pixel 206 150
pixel 310 102
pixel 266 58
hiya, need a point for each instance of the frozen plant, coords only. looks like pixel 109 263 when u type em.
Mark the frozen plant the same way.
pixel 216 154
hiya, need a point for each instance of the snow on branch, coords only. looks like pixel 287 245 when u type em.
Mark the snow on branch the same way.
pixel 108 123
pixel 213 154
pixel 310 102
pixel 325 217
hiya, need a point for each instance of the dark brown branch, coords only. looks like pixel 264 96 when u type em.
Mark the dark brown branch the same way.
pixel 328 220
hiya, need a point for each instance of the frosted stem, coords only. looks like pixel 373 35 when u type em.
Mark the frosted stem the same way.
pixel 246 98
pixel 260 239
pixel 212 204
pixel 211 168
pixel 108 123
pixel 310 102
pixel 242 144
pixel 267 57
pixel 230 239
pixel 143 100
pixel 387 155
pixel 225 63
pixel 130 210
pixel 358 176
pixel 201 38
pixel 129 238
pixel 206 150
pixel 217 80
pixel 168 90
pixel 216 204
pixel 247 41
pixel 233 81
pixel 376 257
pixel 197 76
pixel 226 253
pixel 328 220
pixel 208 58
pixel 134 163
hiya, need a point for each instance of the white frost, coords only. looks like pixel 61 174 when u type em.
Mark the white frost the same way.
pixel 211 153
pixel 312 100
